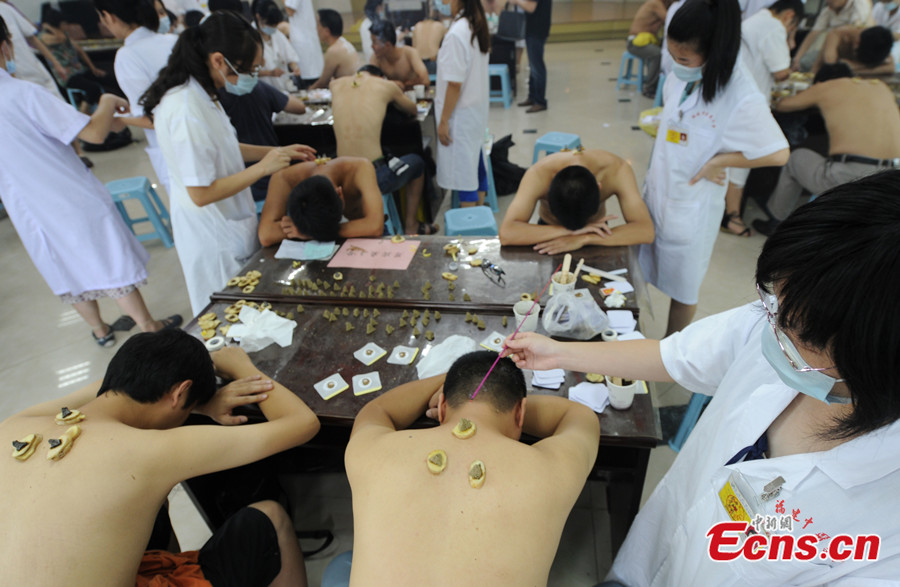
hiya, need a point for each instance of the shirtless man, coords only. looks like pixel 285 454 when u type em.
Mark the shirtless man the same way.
pixel 413 527
pixel 427 37
pixel 359 104
pixel 863 126
pixel 401 65
pixel 307 202
pixel 341 58
pixel 86 518
pixel 648 23
pixel 570 190
pixel 866 51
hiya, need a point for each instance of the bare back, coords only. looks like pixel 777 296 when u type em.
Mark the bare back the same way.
pixel 427 37
pixel 344 56
pixel 415 528
pixel 649 18
pixel 359 105
pixel 861 117
pixel 400 69
pixel 65 521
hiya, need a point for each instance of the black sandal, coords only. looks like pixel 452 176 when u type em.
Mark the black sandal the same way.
pixel 172 322
pixel 428 229
pixel 105 341
pixel 735 217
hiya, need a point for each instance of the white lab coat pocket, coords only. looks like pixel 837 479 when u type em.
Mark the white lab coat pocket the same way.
pixel 678 222
pixel 242 241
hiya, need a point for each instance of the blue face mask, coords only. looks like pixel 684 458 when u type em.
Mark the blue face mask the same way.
pixel 813 383
pixel 165 25
pixel 891 6
pixel 269 30
pixel 10 66
pixel 245 83
pixel 687 74
pixel 444 9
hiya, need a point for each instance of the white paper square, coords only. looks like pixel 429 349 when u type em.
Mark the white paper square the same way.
pixel 369 354
pixel 366 383
pixel 494 342
pixel 331 386
pixel 622 321
pixel 547 384
pixel 593 395
pixel 403 355
pixel 622 286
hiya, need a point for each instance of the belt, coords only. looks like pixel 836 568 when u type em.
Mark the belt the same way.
pixel 865 160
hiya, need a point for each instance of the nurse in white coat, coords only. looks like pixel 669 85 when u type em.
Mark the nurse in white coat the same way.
pixel 714 118
pixel 305 38
pixel 807 381
pixel 138 62
pixel 213 214
pixel 280 60
pixel 461 101
pixel 63 214
pixel 28 66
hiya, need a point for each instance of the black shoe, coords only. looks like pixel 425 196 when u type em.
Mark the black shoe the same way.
pixel 526 103
pixel 766 227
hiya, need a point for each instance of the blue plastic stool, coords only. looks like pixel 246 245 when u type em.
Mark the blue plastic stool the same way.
pixel 695 406
pixel 472 221
pixel 490 197
pixel 504 95
pixel 392 222
pixel 259 207
pixel 658 100
pixel 73 97
pixel 432 77
pixel 139 188
pixel 553 142
pixel 627 78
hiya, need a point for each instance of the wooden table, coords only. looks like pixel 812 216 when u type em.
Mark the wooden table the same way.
pixel 321 347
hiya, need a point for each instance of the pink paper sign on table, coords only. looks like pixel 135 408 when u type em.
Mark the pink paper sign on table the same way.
pixel 365 253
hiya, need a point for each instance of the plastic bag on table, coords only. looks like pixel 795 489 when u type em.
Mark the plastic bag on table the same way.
pixel 574 314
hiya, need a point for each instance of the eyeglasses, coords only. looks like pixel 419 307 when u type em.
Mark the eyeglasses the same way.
pixel 254 72
pixel 494 273
pixel 770 303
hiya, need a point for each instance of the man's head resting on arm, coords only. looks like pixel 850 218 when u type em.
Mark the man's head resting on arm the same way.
pixel 315 207
pixel 831 71
pixel 574 196
pixel 504 390
pixel 836 273
pixel 874 46
pixel 151 365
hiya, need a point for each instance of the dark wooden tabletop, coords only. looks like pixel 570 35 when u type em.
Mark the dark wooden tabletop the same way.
pixel 524 270
pixel 321 347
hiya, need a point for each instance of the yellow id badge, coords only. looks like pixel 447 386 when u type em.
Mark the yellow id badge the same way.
pixel 733 500
pixel 677 136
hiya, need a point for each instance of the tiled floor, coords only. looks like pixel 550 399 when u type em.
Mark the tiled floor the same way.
pixel 47 350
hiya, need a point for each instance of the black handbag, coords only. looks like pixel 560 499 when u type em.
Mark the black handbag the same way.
pixel 511 25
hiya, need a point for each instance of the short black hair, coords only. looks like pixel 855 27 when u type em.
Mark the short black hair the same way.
pixel 271 14
pixel 574 196
pixel 316 209
pixel 372 70
pixel 836 264
pixel 134 12
pixel 331 20
pixel 875 45
pixel 53 17
pixel 503 389
pixel 384 31
pixel 795 5
pixel 831 71
pixel 149 364
pixel 713 28
pixel 232 5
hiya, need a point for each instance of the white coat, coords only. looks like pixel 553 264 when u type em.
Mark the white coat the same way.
pixel 850 489
pixel 277 53
pixel 200 146
pixel 687 217
pixel 63 214
pixel 28 66
pixel 365 37
pixel 460 60
pixel 138 63
pixel 305 38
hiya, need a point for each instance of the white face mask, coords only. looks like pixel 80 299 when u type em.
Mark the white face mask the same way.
pixel 687 74
pixel 165 24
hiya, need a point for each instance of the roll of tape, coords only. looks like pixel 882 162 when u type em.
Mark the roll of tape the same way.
pixel 218 342
pixel 609 335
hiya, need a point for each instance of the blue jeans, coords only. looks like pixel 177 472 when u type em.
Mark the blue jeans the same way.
pixel 472 195
pixel 537 78
pixel 389 182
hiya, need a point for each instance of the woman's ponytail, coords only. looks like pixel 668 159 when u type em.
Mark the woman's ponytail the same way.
pixel 224 32
pixel 713 28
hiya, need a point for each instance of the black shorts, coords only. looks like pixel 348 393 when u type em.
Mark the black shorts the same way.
pixel 243 552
